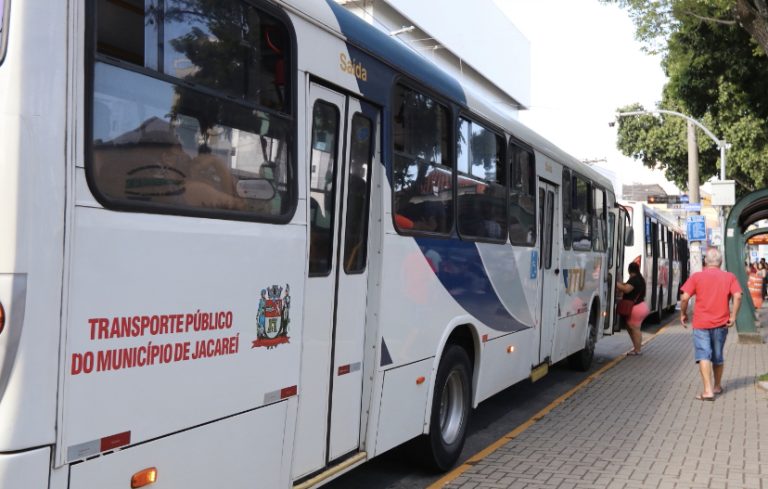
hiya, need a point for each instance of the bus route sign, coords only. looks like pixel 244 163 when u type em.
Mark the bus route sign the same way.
pixel 697 228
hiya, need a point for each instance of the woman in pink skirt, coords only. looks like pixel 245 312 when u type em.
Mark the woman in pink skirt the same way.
pixel 634 289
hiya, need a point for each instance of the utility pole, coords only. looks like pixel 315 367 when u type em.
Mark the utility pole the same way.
pixel 693 194
pixel 693 172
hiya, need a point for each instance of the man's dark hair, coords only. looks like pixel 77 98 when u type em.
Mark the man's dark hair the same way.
pixel 633 268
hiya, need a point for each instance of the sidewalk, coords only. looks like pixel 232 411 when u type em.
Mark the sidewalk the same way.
pixel 639 426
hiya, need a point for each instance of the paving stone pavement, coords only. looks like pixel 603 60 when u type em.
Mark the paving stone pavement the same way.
pixel 639 426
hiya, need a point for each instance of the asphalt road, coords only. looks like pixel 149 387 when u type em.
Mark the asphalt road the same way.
pixel 399 468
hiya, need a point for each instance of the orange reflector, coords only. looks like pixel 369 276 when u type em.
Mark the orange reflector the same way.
pixel 144 478
pixel 485 338
pixel 420 380
pixel 510 348
pixel 2 317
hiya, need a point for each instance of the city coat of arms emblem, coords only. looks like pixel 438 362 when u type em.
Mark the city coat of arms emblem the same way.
pixel 273 317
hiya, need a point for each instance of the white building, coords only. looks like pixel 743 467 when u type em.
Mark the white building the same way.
pixel 485 50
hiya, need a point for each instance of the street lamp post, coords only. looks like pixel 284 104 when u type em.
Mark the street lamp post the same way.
pixel 722 144
pixel 693 171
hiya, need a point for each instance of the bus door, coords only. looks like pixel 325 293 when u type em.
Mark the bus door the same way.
pixel 341 140
pixel 670 267
pixel 617 228
pixel 654 266
pixel 549 266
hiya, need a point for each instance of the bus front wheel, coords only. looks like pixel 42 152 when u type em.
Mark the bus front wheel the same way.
pixel 451 406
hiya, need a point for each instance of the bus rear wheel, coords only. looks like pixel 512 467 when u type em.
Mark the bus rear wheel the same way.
pixel 582 359
pixel 451 407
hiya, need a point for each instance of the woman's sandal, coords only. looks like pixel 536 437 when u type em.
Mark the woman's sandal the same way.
pixel 702 397
pixel 634 353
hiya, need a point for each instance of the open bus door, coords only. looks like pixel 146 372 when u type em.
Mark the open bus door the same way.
pixel 620 235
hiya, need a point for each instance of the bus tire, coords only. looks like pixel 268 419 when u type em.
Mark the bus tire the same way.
pixel 582 359
pixel 451 405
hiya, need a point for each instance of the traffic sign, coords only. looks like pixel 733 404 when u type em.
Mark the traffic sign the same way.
pixel 697 228
pixel 670 200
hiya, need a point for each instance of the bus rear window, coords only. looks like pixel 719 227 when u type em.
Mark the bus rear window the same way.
pixel 230 47
pixel 190 111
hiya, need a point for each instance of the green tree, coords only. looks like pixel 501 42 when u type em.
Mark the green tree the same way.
pixel 657 19
pixel 718 74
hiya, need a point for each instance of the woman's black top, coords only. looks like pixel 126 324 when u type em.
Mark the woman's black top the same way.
pixel 638 289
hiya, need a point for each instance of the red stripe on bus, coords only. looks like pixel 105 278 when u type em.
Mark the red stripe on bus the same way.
pixel 115 441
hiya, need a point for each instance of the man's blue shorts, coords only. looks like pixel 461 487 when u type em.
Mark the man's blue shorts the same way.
pixel 708 344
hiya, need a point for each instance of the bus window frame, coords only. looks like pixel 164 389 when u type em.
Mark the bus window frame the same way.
pixel 367 214
pixel 647 224
pixel 600 220
pixel 450 107
pixel 335 194
pixel 502 139
pixel 567 192
pixel 92 58
pixel 589 183
pixel 521 146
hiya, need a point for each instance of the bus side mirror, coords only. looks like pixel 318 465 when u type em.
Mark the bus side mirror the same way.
pixel 629 237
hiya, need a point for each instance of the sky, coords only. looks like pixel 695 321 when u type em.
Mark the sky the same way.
pixel 585 63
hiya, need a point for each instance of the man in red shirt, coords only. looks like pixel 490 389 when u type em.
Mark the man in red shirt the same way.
pixel 711 318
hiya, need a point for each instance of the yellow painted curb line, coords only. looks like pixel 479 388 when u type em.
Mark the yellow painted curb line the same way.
pixel 474 459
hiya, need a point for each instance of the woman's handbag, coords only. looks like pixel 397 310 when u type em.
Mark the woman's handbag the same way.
pixel 624 307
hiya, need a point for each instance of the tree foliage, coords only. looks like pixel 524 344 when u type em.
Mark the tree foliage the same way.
pixel 718 74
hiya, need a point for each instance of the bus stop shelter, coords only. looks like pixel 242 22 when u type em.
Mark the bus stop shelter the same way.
pixel 747 211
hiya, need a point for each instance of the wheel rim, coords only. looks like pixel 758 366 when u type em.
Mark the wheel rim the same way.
pixel 452 407
pixel 591 339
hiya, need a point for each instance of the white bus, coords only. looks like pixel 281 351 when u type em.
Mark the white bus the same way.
pixel 254 244
pixel 661 249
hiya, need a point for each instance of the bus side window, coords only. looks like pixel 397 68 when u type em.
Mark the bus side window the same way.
pixel 356 232
pixel 648 237
pixel 567 206
pixel 423 172
pixel 581 220
pixel 481 187
pixel 599 238
pixel 522 196
pixel 322 186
